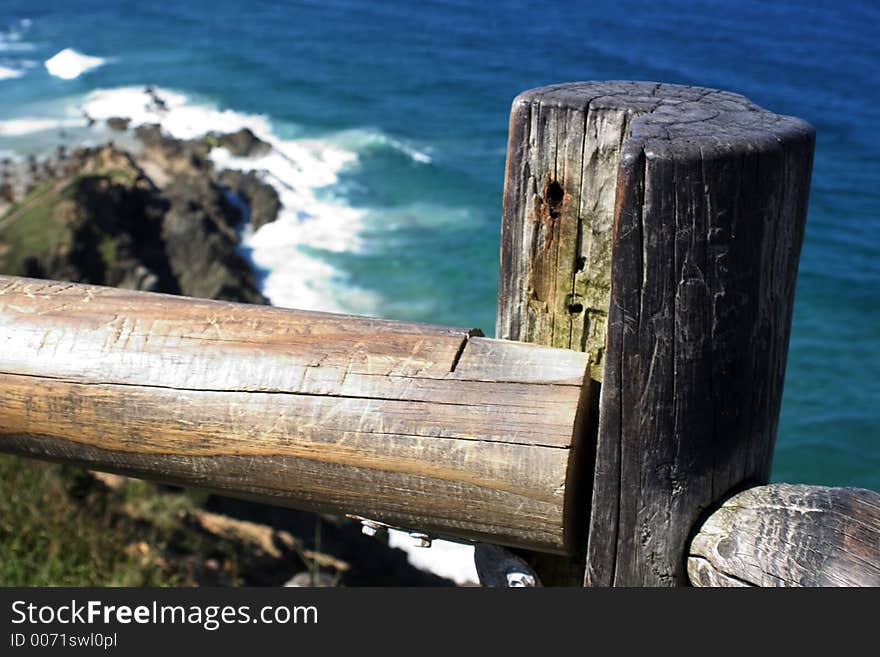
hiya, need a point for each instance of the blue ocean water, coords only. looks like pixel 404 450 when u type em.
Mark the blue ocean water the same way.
pixel 397 113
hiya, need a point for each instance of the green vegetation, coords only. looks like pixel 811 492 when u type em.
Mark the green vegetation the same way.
pixel 107 250
pixel 32 227
pixel 59 527
pixel 62 525
pixel 35 227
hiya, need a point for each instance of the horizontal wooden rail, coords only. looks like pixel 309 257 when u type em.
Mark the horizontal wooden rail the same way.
pixel 414 425
pixel 787 535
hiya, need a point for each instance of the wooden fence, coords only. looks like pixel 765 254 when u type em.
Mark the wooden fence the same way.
pixel 624 421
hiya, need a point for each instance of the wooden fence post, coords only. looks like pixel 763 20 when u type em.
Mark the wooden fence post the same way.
pixel 657 227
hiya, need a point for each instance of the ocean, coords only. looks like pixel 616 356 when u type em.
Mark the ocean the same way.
pixel 390 126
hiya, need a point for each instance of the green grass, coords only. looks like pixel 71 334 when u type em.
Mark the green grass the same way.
pixel 31 227
pixel 58 528
pixel 107 250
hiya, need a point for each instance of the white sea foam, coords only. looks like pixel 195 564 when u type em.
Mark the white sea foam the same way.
pixel 178 115
pixel 308 220
pixel 417 155
pixel 7 73
pixel 362 139
pixel 30 125
pixel 68 64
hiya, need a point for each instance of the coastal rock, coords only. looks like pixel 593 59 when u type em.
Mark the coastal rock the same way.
pixel 200 239
pixel 166 158
pixel 243 143
pixel 261 198
pixel 171 157
pixel 150 134
pixel 118 123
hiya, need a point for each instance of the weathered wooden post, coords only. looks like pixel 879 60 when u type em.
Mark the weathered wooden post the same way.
pixel 658 228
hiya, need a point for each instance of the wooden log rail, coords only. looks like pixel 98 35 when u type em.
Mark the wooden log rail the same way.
pixel 650 242
pixel 786 535
pixel 415 425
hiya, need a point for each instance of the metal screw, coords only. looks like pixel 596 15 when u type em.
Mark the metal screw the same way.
pixel 422 540
pixel 520 580
pixel 370 528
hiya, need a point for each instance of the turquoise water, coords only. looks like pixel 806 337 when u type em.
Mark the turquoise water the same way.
pixel 405 107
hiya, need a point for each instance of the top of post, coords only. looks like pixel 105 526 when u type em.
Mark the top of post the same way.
pixel 691 121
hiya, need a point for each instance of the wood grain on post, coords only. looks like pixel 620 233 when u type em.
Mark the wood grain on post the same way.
pixel 658 227
pixel 786 535
pixel 418 426
pixel 555 276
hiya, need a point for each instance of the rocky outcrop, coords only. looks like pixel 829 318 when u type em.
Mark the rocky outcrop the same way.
pixel 95 216
pixel 164 220
pixel 166 157
pixel 92 218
